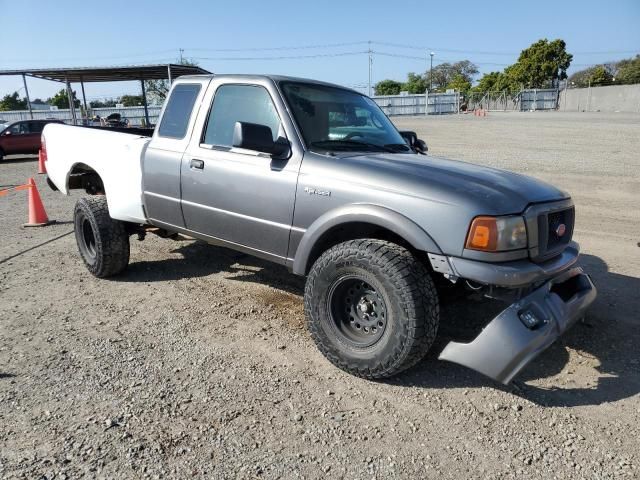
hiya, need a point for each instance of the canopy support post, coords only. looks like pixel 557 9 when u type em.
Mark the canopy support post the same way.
pixel 84 99
pixel 26 92
pixel 169 72
pixel 72 107
pixel 146 108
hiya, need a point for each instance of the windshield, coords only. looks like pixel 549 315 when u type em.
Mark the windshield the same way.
pixel 333 119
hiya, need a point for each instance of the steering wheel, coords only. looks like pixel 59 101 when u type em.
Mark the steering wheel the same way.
pixel 351 135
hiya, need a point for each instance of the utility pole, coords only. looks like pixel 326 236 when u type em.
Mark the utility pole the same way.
pixel 431 72
pixel 370 65
pixel 181 52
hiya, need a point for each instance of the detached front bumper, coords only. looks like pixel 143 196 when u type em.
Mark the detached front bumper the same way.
pixel 526 328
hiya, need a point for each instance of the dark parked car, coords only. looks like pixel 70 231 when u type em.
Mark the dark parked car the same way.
pixel 22 136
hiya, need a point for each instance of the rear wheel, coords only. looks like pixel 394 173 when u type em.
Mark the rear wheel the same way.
pixel 371 307
pixel 102 241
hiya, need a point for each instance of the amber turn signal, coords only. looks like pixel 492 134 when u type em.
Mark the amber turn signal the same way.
pixel 483 234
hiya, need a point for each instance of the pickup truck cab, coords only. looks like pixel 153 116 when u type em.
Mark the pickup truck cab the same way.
pixel 315 177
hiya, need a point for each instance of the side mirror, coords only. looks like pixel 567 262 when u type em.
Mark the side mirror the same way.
pixel 7 133
pixel 253 136
pixel 417 145
pixel 420 146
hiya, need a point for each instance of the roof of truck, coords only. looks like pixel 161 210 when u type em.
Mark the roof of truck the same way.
pixel 275 78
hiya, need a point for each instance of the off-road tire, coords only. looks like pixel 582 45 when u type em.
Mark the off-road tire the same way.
pixel 402 283
pixel 102 241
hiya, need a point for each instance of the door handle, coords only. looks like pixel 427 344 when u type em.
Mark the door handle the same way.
pixel 195 163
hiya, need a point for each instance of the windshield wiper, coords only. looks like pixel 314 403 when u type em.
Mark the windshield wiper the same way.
pixel 398 147
pixel 351 143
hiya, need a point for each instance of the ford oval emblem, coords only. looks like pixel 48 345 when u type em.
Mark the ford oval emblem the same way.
pixel 561 230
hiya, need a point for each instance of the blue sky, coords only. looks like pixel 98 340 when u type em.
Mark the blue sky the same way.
pixel 491 34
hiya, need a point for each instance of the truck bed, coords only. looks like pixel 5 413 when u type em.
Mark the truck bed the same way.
pixel 115 156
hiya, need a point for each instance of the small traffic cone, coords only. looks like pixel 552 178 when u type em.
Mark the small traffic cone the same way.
pixel 37 215
pixel 41 166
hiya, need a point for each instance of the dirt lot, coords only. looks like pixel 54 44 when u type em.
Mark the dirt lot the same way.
pixel 195 363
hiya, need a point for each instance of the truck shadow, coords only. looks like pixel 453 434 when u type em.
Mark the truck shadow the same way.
pixel 605 359
pixel 198 259
pixel 595 362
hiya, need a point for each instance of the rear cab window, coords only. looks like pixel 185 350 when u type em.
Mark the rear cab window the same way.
pixel 177 113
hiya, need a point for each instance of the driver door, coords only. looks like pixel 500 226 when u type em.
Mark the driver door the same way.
pixel 240 196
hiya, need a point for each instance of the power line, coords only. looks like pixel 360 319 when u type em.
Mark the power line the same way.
pixel 283 57
pixel 413 57
pixel 296 47
pixel 484 52
pixel 308 47
pixel 157 52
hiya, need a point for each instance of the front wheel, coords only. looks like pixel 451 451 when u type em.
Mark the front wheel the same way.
pixel 371 307
pixel 102 241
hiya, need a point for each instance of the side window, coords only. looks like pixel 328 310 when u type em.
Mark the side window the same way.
pixel 36 127
pixel 178 111
pixel 239 103
pixel 18 128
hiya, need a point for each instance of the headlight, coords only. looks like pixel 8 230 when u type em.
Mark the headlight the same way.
pixel 497 234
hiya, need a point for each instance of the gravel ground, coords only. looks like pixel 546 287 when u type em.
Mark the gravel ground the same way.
pixel 196 363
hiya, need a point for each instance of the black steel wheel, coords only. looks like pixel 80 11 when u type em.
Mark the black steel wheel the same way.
pixel 102 241
pixel 358 311
pixel 371 307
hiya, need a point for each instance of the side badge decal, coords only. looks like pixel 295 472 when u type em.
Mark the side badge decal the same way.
pixel 315 191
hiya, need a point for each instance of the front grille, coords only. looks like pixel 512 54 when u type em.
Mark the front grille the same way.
pixel 550 241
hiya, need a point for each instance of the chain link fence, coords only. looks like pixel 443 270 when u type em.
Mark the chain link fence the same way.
pixel 420 104
pixel 134 115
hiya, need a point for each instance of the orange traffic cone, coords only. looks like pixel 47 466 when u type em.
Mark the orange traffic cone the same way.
pixel 41 166
pixel 37 215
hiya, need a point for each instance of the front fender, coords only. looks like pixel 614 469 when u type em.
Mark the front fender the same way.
pixel 362 213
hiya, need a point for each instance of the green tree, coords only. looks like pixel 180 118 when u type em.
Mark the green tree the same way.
pixel 600 76
pixel 581 78
pixel 541 65
pixel 13 102
pixel 628 71
pixel 131 100
pixel 387 87
pixel 415 83
pixel 61 99
pixel 445 73
pixel 489 82
pixel 109 102
pixel 459 83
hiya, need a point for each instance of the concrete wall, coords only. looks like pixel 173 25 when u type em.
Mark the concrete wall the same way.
pixel 618 98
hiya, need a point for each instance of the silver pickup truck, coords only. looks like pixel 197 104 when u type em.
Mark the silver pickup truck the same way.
pixel 315 177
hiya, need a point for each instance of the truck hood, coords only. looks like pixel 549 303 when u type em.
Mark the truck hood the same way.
pixel 455 182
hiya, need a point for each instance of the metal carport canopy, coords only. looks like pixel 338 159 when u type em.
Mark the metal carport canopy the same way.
pixel 109 74
pixel 105 74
